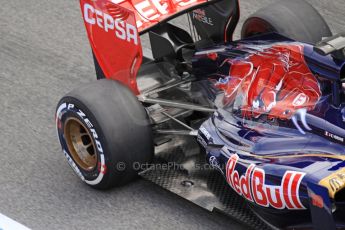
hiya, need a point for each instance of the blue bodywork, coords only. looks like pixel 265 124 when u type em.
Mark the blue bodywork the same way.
pixel 277 146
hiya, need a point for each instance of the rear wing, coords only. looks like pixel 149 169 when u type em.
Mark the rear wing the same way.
pixel 114 26
pixel 114 40
pixel 149 13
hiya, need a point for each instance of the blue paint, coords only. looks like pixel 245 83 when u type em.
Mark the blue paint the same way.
pixel 256 138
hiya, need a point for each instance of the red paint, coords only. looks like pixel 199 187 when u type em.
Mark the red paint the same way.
pixel 245 183
pixel 317 200
pixel 149 12
pixel 113 28
pixel 102 168
pixel 114 39
pixel 230 167
pixel 252 186
pixel 294 196
pixel 286 190
pixel 258 187
pixel 212 56
pixel 277 202
pixel 236 182
pixel 275 81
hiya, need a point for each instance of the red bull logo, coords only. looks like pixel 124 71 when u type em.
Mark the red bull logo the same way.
pixel 252 186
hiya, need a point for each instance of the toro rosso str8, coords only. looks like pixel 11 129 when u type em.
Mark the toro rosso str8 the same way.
pixel 253 128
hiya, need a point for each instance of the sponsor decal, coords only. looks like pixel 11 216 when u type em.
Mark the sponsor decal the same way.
pixel 252 186
pixel 316 200
pixel 333 136
pixel 212 55
pixel 205 132
pixel 200 15
pixel 214 163
pixel 202 141
pixel 121 29
pixel 92 130
pixel 334 182
pixel 337 182
pixel 154 10
pixel 300 100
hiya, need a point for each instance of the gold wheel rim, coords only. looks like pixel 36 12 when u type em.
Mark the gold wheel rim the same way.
pixel 80 144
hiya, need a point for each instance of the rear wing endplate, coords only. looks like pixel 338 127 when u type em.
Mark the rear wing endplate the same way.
pixel 114 26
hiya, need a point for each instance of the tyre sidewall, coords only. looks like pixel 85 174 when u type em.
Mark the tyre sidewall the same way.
pixel 68 108
pixel 295 19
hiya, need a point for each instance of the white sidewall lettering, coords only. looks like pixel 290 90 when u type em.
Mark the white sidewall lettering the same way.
pixel 59 114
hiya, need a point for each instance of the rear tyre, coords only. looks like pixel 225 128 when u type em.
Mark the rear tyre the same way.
pixel 295 19
pixel 105 133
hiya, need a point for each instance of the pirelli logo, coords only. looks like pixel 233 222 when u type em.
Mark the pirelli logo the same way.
pixel 334 182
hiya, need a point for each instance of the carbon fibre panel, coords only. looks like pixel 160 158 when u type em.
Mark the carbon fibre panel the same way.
pixel 179 167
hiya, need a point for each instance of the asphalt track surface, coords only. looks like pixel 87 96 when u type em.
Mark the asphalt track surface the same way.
pixel 44 53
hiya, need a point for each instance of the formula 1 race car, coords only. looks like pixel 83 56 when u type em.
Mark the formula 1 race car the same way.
pixel 253 128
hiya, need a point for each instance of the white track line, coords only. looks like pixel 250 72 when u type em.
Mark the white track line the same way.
pixel 9 224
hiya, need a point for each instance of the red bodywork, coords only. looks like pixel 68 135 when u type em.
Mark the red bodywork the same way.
pixel 113 28
pixel 114 39
pixel 275 81
pixel 149 12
